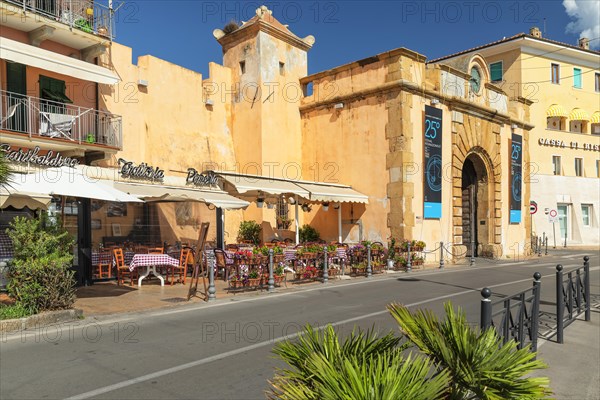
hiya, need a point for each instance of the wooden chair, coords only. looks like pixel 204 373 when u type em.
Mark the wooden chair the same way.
pixel 156 250
pixel 122 269
pixel 105 263
pixel 185 258
pixel 140 249
pixel 232 246
pixel 221 263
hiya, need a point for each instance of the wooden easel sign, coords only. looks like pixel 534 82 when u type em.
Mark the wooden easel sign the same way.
pixel 199 265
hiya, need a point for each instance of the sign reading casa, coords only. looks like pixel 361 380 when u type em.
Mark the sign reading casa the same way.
pixel 569 145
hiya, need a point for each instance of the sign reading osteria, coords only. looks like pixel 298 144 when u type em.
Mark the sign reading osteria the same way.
pixel 568 145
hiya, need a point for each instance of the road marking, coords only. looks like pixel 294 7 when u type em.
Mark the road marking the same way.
pixel 172 370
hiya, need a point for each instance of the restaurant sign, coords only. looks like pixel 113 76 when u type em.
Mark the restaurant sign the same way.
pixel 199 179
pixel 142 171
pixel 33 156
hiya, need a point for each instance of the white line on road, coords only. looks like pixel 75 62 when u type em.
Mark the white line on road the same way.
pixel 172 370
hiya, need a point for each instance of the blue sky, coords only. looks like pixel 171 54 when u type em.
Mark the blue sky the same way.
pixel 181 31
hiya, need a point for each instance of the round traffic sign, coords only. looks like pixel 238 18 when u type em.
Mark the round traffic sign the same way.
pixel 533 208
pixel 553 213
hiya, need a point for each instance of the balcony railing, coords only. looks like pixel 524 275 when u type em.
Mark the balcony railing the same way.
pixel 86 15
pixel 49 119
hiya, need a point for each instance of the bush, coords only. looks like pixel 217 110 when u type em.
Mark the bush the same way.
pixel 308 234
pixel 249 230
pixel 13 311
pixel 40 275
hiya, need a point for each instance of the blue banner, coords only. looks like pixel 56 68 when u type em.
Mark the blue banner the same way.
pixel 516 179
pixel 432 162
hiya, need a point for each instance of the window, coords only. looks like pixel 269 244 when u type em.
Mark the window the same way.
pixel 281 68
pixel 556 164
pixel 53 90
pixel 496 71
pixel 586 214
pixel 597 81
pixel 242 67
pixel 556 123
pixel 577 78
pixel 555 73
pixel 307 89
pixel 578 166
pixel 281 214
pixel 577 126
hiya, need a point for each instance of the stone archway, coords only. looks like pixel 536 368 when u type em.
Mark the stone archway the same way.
pixel 475 198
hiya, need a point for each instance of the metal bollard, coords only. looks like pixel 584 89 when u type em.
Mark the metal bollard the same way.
pixel 211 282
pixel 535 317
pixel 586 283
pixel 560 304
pixel 472 259
pixel 408 262
pixel 485 319
pixel 539 247
pixel 325 266
pixel 565 239
pixel 271 282
pixel 546 253
pixel 441 255
pixel 369 271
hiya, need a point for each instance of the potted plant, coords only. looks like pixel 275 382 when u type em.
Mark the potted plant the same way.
pixel 391 253
pixel 235 282
pixel 278 274
pixel 419 245
pixel 253 279
pixel 360 268
pixel 249 231
pixel 400 261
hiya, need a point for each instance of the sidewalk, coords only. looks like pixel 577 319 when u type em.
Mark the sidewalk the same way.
pixel 574 366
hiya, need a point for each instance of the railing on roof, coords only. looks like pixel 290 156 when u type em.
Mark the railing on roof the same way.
pixel 86 15
pixel 49 119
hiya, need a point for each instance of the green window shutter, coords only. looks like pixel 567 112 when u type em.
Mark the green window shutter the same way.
pixel 53 89
pixel 577 77
pixel 496 71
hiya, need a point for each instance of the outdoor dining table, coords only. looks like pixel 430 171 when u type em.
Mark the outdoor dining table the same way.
pixel 151 261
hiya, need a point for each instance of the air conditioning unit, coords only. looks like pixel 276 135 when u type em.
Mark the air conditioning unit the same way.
pixel 338 106
pixel 143 82
pixel 209 102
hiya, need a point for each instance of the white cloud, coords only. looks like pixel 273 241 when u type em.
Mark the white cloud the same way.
pixel 586 16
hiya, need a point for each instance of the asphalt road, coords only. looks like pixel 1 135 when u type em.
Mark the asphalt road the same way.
pixel 222 350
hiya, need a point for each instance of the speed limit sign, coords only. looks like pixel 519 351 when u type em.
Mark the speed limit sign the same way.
pixel 553 216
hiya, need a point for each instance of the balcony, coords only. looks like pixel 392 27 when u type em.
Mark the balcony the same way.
pixel 78 15
pixel 59 122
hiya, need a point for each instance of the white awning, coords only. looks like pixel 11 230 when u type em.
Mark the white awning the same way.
pixel 333 193
pixel 22 200
pixel 155 193
pixel 65 181
pixel 252 185
pixel 23 53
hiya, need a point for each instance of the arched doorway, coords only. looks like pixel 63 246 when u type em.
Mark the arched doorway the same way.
pixel 475 213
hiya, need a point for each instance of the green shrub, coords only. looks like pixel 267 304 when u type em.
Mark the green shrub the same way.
pixel 40 275
pixel 308 234
pixel 249 230
pixel 13 311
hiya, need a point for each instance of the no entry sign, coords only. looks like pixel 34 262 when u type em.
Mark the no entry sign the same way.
pixel 533 207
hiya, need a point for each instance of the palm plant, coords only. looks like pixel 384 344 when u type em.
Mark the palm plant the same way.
pixel 480 365
pixel 364 366
pixel 5 170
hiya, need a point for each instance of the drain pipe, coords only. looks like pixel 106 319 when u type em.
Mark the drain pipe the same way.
pixel 339 216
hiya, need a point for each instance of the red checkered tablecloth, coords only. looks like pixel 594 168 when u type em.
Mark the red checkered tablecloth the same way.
pixel 148 260
pixel 6 246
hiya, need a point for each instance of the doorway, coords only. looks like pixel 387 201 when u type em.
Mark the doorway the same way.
pixel 475 215
pixel 563 221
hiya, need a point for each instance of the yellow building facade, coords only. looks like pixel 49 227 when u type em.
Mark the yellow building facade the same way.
pixel 562 82
pixel 387 146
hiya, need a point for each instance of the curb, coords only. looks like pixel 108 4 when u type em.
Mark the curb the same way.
pixel 39 320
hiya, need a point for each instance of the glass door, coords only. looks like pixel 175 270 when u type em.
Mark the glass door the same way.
pixel 563 221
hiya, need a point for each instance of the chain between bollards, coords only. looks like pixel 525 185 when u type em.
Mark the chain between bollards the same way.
pixel 369 271
pixel 271 282
pixel 441 255
pixel 408 262
pixel 325 266
pixel 211 282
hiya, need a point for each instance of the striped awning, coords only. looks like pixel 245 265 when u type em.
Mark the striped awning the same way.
pixel 577 114
pixel 595 118
pixel 556 110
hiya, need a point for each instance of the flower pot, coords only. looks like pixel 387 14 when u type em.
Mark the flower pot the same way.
pixel 278 279
pixel 253 282
pixel 236 284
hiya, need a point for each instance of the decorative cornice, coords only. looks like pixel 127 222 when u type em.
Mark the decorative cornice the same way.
pixel 251 30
